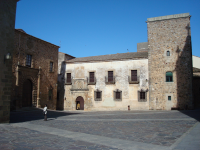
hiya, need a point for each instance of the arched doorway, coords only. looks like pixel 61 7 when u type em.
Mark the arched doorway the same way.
pixel 27 94
pixel 80 100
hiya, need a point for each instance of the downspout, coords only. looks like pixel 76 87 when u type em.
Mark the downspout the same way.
pixel 38 89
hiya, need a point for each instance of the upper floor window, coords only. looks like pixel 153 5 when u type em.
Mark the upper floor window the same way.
pixel 28 60
pixel 168 53
pixel 133 75
pixel 169 77
pixel 110 76
pixel 51 67
pixel 69 78
pixel 91 77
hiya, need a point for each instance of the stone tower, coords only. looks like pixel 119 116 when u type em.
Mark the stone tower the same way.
pixel 7 25
pixel 170 62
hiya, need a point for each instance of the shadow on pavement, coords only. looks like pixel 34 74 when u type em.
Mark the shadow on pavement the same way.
pixel 192 113
pixel 32 114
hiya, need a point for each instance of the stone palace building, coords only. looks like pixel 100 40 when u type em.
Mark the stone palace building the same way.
pixel 158 76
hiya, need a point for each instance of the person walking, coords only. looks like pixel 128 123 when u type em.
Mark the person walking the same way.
pixel 45 112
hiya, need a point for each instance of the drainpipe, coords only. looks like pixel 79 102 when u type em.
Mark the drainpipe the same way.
pixel 17 76
pixel 38 89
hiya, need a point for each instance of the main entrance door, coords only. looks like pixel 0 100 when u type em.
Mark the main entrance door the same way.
pixel 80 100
pixel 27 94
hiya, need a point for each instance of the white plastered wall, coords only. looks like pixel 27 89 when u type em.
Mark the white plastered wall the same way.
pixel 121 71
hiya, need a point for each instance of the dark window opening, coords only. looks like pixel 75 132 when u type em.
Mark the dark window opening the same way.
pixel 91 79
pixel 51 67
pixel 118 95
pixel 169 77
pixel 133 75
pixel 28 60
pixel 68 77
pixel 110 76
pixel 98 95
pixel 168 53
pixel 142 95
pixel 169 98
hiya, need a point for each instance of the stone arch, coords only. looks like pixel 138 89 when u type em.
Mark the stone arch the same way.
pixel 80 100
pixel 33 80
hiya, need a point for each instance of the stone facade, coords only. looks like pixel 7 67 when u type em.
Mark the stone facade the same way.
pixel 170 33
pixel 34 83
pixel 7 19
pixel 62 58
pixel 167 84
pixel 81 87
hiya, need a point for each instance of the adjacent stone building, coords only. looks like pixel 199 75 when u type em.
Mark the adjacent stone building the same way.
pixel 7 25
pixel 170 62
pixel 62 58
pixel 34 67
pixel 157 77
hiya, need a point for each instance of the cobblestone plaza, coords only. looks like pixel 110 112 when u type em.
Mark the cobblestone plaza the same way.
pixel 101 130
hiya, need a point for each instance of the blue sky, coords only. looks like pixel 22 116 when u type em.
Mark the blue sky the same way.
pixel 98 27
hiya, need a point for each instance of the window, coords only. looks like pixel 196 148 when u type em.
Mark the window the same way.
pixel 69 78
pixel 133 75
pixel 142 96
pixel 169 98
pixel 98 95
pixel 28 60
pixel 110 76
pixel 169 77
pixel 168 53
pixel 117 95
pixel 91 77
pixel 50 94
pixel 51 67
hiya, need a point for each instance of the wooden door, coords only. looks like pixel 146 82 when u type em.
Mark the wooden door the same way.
pixel 27 94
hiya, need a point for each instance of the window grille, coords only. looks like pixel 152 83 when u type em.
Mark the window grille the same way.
pixel 110 76
pixel 28 60
pixel 68 77
pixel 133 75
pixel 91 79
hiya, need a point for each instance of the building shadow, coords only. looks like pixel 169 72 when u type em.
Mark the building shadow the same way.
pixel 33 114
pixel 61 87
pixel 184 72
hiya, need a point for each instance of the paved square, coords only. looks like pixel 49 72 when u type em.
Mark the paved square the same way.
pixel 102 130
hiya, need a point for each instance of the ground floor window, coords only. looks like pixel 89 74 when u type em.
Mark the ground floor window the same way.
pixel 117 95
pixel 142 96
pixel 98 95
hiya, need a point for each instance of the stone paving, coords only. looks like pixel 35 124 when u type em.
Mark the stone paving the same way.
pixel 97 130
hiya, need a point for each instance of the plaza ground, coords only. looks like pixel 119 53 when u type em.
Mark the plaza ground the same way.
pixel 109 130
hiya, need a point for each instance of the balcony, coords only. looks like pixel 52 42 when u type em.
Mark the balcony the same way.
pixel 110 80
pixel 133 80
pixel 91 81
pixel 68 81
